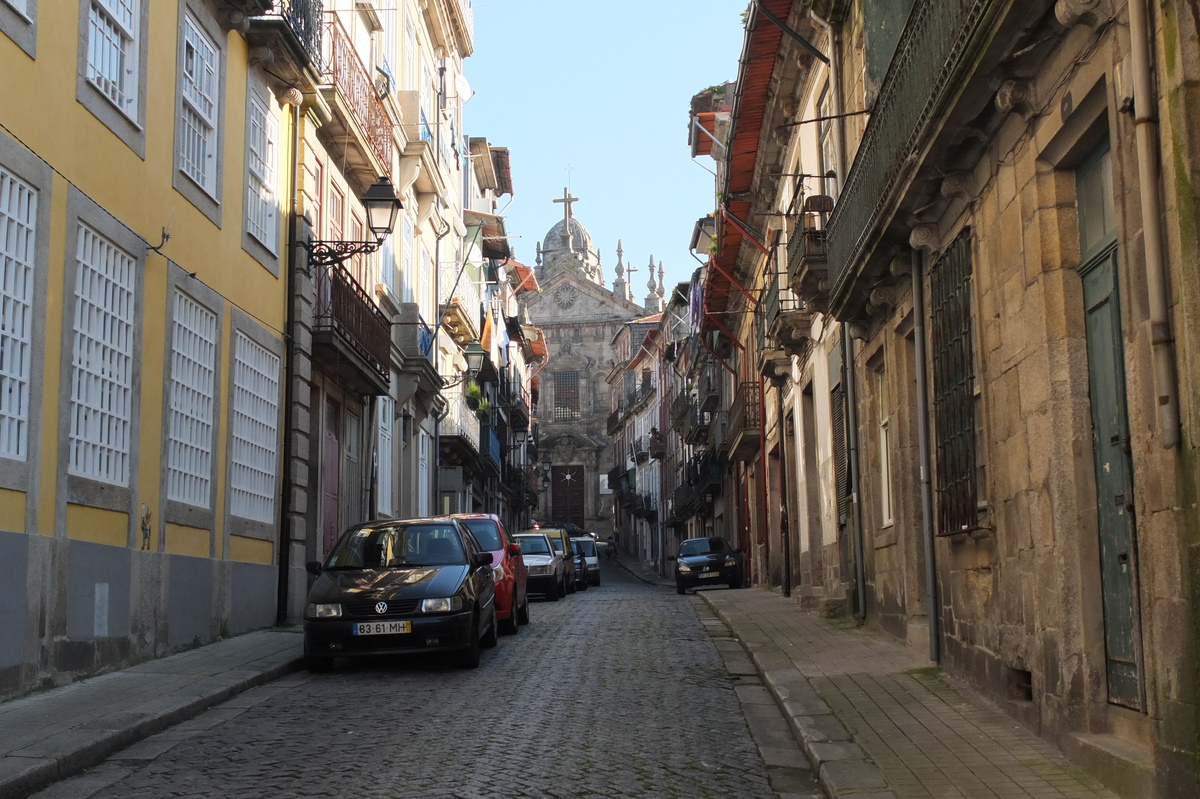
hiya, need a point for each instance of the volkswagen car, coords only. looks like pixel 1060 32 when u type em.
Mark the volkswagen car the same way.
pixel 707 561
pixel 547 575
pixel 401 587
pixel 508 568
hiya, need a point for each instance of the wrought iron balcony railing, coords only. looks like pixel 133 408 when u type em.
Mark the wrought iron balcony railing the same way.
pixel 460 420
pixel 344 70
pixel 303 20
pixel 344 308
pixel 745 422
pixel 926 66
pixel 680 406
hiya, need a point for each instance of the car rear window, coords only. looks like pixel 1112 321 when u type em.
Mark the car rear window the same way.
pixel 587 545
pixel 398 546
pixel 486 533
pixel 533 544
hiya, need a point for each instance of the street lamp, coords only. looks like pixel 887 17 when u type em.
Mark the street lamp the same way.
pixel 382 206
pixel 475 355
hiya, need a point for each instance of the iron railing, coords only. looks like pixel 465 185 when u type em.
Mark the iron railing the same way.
pixel 345 308
pixel 680 406
pixel 641 449
pixel 744 413
pixel 805 245
pixel 924 69
pixel 344 70
pixel 614 421
pixel 303 18
pixel 460 420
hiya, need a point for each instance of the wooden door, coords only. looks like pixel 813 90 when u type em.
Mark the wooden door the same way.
pixel 568 497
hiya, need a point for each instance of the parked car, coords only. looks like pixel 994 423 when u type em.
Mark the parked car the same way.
pixel 547 574
pixel 508 568
pixel 591 557
pixel 560 539
pixel 400 587
pixel 707 561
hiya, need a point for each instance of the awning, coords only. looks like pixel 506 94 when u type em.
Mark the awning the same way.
pixel 523 277
pixel 493 239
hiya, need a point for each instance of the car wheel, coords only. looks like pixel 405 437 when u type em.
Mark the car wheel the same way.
pixel 571 586
pixel 679 589
pixel 317 665
pixel 583 586
pixel 492 636
pixel 469 657
pixel 736 582
pixel 523 613
pixel 512 624
pixel 555 591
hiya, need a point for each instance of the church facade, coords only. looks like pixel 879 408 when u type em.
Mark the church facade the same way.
pixel 580 317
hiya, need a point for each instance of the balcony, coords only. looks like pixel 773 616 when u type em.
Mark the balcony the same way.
pixel 413 338
pixel 940 49
pixel 696 429
pixel 615 475
pixel 788 320
pixel 683 507
pixel 351 337
pixel 709 392
pixel 458 295
pixel 641 449
pixel 489 447
pixel 614 421
pixel 432 175
pixel 292 35
pixel 645 506
pixel 745 423
pixel 680 406
pixel 646 388
pixel 516 400
pixel 658 446
pixel 718 434
pixel 360 130
pixel 808 272
pixel 459 432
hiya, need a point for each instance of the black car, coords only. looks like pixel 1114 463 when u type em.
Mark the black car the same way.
pixel 707 561
pixel 393 587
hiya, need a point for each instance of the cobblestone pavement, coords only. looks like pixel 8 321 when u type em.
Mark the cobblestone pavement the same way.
pixel 619 691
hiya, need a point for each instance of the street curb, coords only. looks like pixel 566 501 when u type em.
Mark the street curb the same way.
pixel 21 776
pixel 841 765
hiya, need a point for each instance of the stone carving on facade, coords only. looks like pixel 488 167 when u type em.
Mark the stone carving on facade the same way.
pixel 1016 96
pixel 1077 12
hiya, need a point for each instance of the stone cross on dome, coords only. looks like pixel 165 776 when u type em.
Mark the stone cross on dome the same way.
pixel 566 200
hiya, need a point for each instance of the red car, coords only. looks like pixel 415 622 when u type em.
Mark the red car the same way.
pixel 508 568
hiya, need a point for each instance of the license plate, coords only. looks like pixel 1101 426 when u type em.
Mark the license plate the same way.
pixel 383 628
pixel 710 574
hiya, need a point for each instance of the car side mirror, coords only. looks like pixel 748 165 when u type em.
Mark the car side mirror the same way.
pixel 514 548
pixel 482 559
pixel 313 567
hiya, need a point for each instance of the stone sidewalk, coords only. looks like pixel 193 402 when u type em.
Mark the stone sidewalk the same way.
pixel 879 722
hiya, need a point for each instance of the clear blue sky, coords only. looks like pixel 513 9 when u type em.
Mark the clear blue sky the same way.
pixel 605 88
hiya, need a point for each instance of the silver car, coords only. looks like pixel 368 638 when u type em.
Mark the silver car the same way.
pixel 587 545
pixel 547 574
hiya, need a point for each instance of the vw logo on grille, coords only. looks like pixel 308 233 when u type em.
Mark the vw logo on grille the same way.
pixel 381 607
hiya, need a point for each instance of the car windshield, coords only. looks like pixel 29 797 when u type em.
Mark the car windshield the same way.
pixel 586 545
pixel 533 544
pixel 557 544
pixel 486 533
pixel 398 546
pixel 702 546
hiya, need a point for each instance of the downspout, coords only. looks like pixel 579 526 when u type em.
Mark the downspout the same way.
pixel 289 376
pixel 927 532
pixel 1166 398
pixel 860 588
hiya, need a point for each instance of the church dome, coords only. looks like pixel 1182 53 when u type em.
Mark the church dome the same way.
pixel 581 240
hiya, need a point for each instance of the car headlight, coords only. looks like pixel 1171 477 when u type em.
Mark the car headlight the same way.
pixel 443 604
pixel 316 611
pixel 731 561
pixel 538 571
pixel 498 574
pixel 684 568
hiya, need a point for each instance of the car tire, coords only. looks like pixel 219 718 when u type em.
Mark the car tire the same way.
pixel 736 583
pixel 316 665
pixel 583 586
pixel 555 591
pixel 571 586
pixel 679 589
pixel 512 624
pixel 523 613
pixel 468 658
pixel 492 636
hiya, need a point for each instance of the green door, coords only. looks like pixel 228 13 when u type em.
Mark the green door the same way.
pixel 1110 431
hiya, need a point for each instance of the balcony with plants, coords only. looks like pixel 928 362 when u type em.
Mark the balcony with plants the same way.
pixel 459 430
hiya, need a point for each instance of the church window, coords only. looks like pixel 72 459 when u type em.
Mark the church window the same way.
pixel 566 396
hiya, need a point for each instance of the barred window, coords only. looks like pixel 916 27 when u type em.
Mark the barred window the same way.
pixel 261 219
pixel 198 122
pixel 956 399
pixel 102 360
pixel 193 380
pixel 18 219
pixel 113 50
pixel 255 426
pixel 566 396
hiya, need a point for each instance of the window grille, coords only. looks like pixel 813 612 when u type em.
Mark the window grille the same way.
pixel 260 190
pixel 566 396
pixel 954 387
pixel 193 371
pixel 102 360
pixel 18 240
pixel 383 456
pixel 199 112
pixel 255 424
pixel 112 50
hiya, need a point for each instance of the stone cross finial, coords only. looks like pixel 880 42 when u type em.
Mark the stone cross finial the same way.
pixel 566 200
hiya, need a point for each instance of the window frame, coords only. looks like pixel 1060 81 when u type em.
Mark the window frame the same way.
pixel 20 24
pixel 247 334
pixel 561 412
pixel 126 125
pixel 206 198
pixel 260 105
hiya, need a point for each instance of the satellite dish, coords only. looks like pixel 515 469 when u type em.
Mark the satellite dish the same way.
pixel 463 87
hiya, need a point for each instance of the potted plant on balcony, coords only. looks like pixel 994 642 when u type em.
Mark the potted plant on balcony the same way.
pixel 473 394
pixel 482 409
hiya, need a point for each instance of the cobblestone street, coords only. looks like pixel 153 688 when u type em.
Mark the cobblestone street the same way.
pixel 619 691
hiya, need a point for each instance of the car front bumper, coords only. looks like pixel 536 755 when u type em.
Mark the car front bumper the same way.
pixel 335 637
pixel 721 576
pixel 543 584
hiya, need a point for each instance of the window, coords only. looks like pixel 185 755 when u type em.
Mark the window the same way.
pixel 255 422
pixel 358 263
pixel 18 20
pixel 112 54
pixel 425 286
pixel 566 396
pixel 261 220
pixel 410 55
pixel 828 154
pixel 407 265
pixel 957 409
pixel 198 112
pixel 383 456
pixel 337 208
pixel 102 360
pixel 18 240
pixel 193 378
pixel 423 467
pixel 885 447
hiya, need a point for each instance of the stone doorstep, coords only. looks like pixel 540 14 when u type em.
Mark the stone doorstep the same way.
pixel 1124 767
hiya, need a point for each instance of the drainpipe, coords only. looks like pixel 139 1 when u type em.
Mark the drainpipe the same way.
pixel 931 594
pixel 1166 399
pixel 289 377
pixel 860 588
